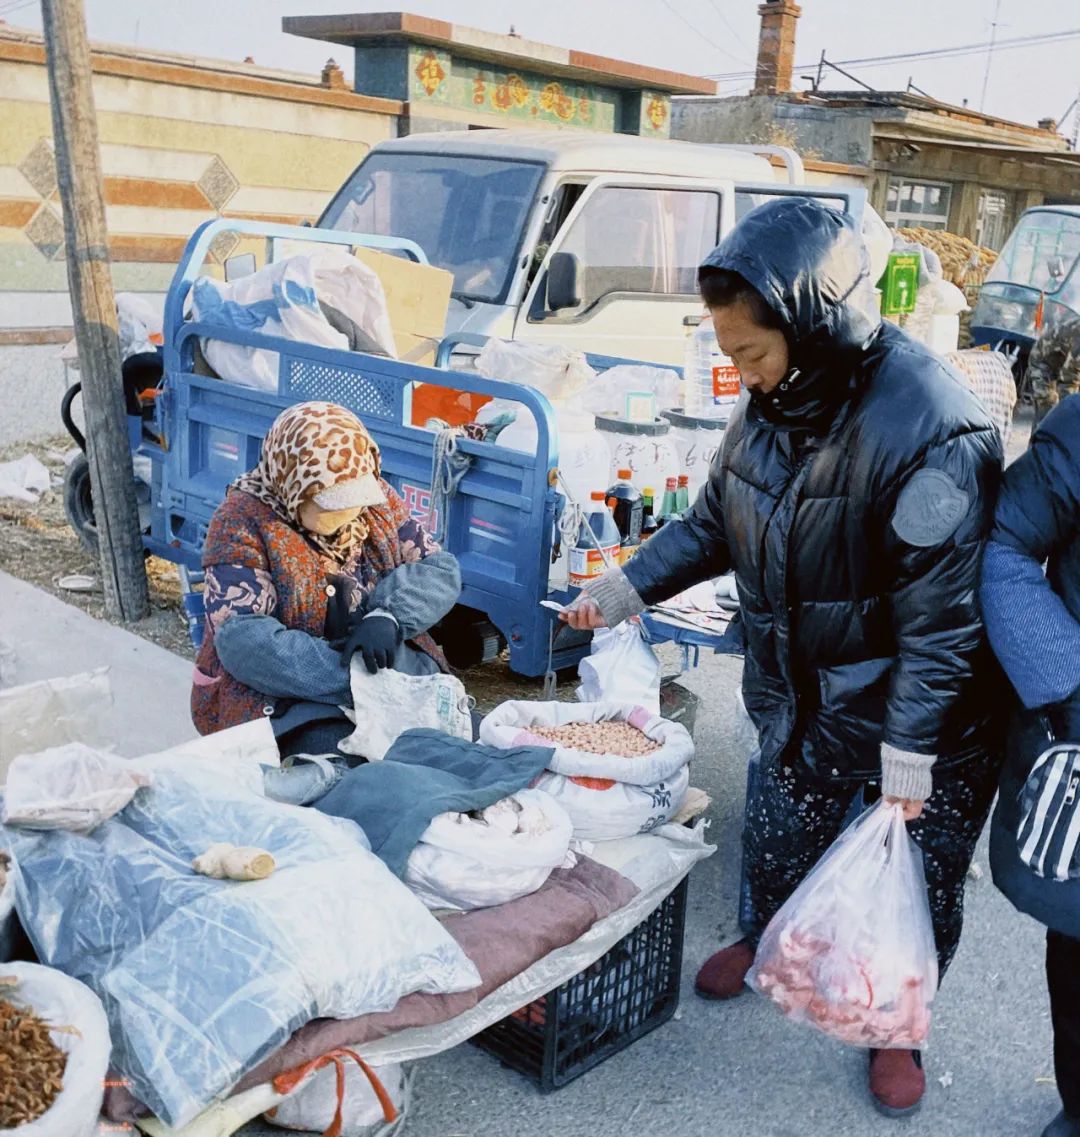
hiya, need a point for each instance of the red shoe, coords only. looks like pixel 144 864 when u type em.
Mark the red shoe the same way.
pixel 897 1081
pixel 723 975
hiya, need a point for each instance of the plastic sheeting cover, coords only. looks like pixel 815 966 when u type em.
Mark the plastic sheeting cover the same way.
pixel 200 978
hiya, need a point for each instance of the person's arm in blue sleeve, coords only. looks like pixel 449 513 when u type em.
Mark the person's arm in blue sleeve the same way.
pixel 1035 636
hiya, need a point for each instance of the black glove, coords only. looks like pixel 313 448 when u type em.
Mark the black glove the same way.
pixel 338 604
pixel 376 637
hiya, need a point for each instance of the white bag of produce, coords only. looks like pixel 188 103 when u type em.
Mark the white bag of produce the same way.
pixel 81 1031
pixel 556 371
pixel 388 703
pixel 621 668
pixel 604 810
pixel 607 795
pixel 69 787
pixel 508 726
pixel 465 861
pixel 313 1106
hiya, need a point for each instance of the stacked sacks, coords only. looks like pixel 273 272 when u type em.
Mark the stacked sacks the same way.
pixel 607 794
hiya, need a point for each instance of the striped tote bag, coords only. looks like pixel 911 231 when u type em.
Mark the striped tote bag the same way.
pixel 1049 834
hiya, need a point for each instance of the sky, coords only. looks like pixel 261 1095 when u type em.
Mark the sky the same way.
pixel 704 37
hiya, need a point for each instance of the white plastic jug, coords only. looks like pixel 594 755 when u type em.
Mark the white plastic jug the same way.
pixel 644 448
pixel 712 381
pixel 696 440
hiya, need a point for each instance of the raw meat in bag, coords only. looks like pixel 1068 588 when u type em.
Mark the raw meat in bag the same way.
pixel 852 951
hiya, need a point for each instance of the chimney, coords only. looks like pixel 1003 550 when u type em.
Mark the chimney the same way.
pixel 333 77
pixel 776 47
pixel 1049 124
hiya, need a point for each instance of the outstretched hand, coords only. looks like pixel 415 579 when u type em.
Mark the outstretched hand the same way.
pixel 583 615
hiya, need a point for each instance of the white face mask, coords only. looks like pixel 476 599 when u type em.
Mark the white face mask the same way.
pixel 325 522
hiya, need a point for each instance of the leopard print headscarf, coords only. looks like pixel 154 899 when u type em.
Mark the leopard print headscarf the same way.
pixel 309 448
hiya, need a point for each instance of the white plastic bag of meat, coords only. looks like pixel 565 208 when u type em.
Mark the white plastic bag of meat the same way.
pixel 852 951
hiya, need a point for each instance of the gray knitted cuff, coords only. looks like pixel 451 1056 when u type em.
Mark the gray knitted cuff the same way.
pixel 906 775
pixel 616 596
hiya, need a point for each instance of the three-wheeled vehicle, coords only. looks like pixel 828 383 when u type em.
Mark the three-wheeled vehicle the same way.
pixel 1034 281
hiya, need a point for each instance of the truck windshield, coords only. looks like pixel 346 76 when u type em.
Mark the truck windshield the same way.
pixel 1041 236
pixel 467 214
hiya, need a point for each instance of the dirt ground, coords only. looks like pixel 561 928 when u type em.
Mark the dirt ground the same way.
pixel 37 545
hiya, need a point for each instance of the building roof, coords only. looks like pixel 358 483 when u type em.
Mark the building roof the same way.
pixel 592 152
pixel 506 50
pixel 910 101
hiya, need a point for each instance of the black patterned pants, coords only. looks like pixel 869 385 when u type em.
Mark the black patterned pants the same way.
pixel 1063 979
pixel 793 816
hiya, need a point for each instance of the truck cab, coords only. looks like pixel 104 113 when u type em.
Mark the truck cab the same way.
pixel 591 242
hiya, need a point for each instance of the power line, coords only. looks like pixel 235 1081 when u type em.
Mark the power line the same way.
pixel 730 26
pixel 934 53
pixel 697 31
pixel 16 6
pixel 990 53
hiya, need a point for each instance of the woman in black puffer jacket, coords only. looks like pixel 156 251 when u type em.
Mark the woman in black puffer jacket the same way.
pixel 851 498
pixel 1034 623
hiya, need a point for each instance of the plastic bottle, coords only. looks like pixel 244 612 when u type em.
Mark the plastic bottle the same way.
pixel 682 494
pixel 668 507
pixel 586 561
pixel 627 507
pixel 649 524
pixel 712 382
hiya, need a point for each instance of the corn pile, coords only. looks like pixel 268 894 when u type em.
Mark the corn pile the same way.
pixel 618 738
pixel 31 1067
pixel 962 261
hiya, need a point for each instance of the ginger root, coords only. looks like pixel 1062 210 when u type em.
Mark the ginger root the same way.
pixel 232 862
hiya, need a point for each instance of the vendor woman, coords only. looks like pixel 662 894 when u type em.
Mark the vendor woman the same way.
pixel 310 559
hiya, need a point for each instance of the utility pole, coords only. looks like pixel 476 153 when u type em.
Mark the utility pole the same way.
pixel 990 53
pixel 78 168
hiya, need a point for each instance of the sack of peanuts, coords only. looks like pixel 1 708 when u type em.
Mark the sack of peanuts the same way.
pixel 617 770
pixel 54 1052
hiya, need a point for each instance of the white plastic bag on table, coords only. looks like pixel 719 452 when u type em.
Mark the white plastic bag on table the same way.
pixel 282 299
pixel 606 796
pixel 312 1107
pixel 388 703
pixel 852 951
pixel 203 978
pixel 464 862
pixel 82 1032
pixel 69 787
pixel 556 371
pixel 620 668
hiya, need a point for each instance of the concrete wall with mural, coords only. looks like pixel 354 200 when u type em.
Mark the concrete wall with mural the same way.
pixel 182 140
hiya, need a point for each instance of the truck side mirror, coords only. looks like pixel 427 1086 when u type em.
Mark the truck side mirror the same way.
pixel 1056 267
pixel 563 282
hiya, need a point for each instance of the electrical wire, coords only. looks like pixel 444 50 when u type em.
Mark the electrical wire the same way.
pixel 697 31
pixel 15 6
pixel 729 25
pixel 933 53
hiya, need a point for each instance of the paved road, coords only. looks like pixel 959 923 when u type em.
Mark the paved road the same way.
pixel 719 1070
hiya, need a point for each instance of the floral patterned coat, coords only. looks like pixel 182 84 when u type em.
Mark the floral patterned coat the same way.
pixel 258 564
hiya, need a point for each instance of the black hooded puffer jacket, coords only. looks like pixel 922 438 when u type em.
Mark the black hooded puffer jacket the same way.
pixel 852 504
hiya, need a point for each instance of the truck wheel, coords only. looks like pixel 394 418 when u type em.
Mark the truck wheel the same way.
pixel 79 505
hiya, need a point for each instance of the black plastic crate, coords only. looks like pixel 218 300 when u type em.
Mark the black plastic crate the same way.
pixel 629 991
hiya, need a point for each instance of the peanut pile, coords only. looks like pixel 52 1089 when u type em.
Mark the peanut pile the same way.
pixel 31 1067
pixel 618 738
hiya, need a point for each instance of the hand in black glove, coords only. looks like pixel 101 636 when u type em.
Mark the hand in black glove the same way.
pixel 377 638
pixel 338 608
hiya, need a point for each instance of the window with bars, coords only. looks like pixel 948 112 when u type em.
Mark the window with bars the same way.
pixel 910 203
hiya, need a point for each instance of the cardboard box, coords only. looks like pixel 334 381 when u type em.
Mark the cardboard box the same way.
pixel 417 298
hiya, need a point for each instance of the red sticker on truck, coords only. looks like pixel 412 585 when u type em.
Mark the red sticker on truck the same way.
pixel 417 501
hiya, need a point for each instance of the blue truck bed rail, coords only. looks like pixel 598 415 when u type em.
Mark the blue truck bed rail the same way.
pixel 500 521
